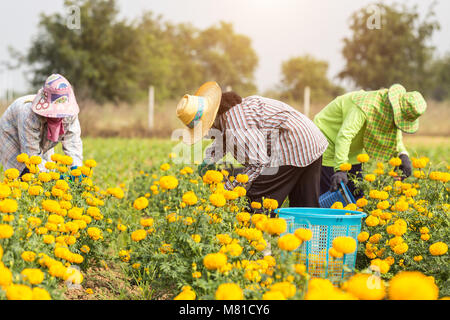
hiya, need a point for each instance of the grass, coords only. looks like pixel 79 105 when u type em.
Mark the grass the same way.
pixel 120 159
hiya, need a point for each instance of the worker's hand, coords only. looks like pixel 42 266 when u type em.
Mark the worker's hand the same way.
pixel 406 165
pixel 204 166
pixel 337 178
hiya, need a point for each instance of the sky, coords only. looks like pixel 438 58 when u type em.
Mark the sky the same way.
pixel 279 29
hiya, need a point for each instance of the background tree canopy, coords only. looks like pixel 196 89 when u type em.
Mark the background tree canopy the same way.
pixel 113 60
pixel 109 59
pixel 397 52
pixel 299 72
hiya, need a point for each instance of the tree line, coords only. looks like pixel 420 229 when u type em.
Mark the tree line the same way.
pixel 114 60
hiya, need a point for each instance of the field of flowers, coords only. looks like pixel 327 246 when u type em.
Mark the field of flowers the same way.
pixel 169 233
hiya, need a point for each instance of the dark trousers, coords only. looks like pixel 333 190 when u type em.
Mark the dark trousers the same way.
pixel 300 184
pixel 327 173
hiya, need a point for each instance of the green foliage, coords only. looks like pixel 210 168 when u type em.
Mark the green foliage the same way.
pixel 303 71
pixel 397 52
pixel 109 59
pixel 441 72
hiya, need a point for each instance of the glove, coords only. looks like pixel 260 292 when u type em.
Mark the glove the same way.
pixel 203 167
pixel 406 166
pixel 337 178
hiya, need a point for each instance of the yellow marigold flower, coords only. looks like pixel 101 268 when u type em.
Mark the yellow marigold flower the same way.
pixel 19 292
pixel 12 173
pixel 395 162
pixel 337 205
pixel 6 231
pixel 217 200
pixel 140 203
pixel 214 261
pixel 379 265
pixel 273 295
pixel 438 249
pixel 344 244
pixel 148 222
pixel 425 236
pixel 418 258
pixel 375 238
pixel 224 238
pixel 90 163
pixel 8 206
pixel 366 287
pixel 275 226
pixel 242 178
pixel 190 198
pixel 168 182
pixel 372 221
pixel 401 248
pixel 165 167
pixel 270 204
pixel 424 230
pixel 286 288
pixel 361 202
pixel 241 191
pixel 5 191
pixel 363 157
pixel 289 242
pixel 303 234
pixel 345 167
pixel 196 237
pixel 370 177
pixel 139 235
pixel 22 158
pixel 335 253
pixel 212 176
pixel 412 285
pixel 28 256
pixel 95 233
pixel 363 236
pixel 230 195
pixel 243 217
pixel 5 276
pixel 33 276
pixel 256 205
pixel 186 294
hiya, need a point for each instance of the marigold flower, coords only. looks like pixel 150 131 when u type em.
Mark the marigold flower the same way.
pixel 345 245
pixel 139 235
pixel 395 162
pixel 289 242
pixel 303 234
pixel 363 157
pixel 214 261
pixel 363 236
pixel 366 287
pixel 438 249
pixel 217 200
pixel 19 292
pixel 242 178
pixel 256 205
pixel 140 203
pixel 275 226
pixel 412 285
pixel 345 167
pixel 270 204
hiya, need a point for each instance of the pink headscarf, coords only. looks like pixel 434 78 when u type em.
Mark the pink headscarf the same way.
pixel 55 128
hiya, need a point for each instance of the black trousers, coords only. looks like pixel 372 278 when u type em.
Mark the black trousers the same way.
pixel 300 184
pixel 327 173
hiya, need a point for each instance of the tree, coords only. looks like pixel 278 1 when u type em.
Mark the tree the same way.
pixel 397 52
pixel 227 58
pixel 441 72
pixel 302 71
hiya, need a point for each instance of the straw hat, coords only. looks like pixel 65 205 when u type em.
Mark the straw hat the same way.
pixel 199 111
pixel 407 107
pixel 56 99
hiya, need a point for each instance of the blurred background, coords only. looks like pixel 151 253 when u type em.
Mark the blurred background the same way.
pixel 131 61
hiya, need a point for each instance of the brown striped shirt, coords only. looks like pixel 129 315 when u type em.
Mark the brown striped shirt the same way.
pixel 265 133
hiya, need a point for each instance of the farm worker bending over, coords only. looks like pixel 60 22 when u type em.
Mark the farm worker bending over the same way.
pixel 35 124
pixel 370 121
pixel 280 148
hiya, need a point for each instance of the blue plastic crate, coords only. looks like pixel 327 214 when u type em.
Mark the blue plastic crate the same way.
pixel 326 225
pixel 343 195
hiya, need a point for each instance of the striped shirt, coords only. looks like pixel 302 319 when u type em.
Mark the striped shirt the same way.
pixel 265 133
pixel 23 131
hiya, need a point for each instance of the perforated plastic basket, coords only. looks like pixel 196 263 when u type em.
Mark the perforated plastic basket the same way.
pixel 343 195
pixel 326 225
